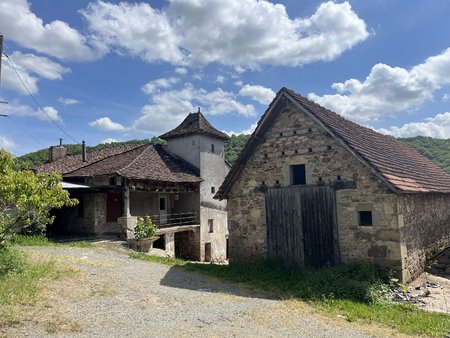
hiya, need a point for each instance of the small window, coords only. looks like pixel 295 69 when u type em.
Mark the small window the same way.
pixel 295 132
pixel 213 190
pixel 365 218
pixel 339 177
pixel 212 148
pixel 320 179
pixel 162 203
pixel 277 182
pixel 283 153
pixel 211 225
pixel 112 180
pixel 298 174
pixel 281 134
pixel 265 156
pixel 309 150
pixel 296 151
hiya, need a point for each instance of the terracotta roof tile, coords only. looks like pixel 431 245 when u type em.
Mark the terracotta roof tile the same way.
pixel 399 165
pixel 194 123
pixel 143 162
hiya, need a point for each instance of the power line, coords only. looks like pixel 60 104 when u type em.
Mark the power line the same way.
pixel 37 103
pixel 23 129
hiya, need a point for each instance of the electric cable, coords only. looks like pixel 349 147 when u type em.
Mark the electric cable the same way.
pixel 37 103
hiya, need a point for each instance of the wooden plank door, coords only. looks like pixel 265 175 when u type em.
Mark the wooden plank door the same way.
pixel 114 206
pixel 301 226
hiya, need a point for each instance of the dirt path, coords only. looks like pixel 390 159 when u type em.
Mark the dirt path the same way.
pixel 115 296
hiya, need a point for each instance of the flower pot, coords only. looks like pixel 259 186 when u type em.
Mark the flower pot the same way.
pixel 142 245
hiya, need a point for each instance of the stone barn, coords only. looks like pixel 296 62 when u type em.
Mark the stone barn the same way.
pixel 175 184
pixel 313 189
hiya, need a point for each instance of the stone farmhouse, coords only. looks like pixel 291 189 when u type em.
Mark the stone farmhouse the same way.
pixel 312 188
pixel 174 184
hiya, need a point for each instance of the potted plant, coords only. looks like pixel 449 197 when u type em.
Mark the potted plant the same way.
pixel 144 235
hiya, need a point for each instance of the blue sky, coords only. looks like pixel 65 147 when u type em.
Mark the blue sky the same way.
pixel 107 71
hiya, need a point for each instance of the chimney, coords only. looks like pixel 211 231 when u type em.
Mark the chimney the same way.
pixel 83 151
pixel 57 152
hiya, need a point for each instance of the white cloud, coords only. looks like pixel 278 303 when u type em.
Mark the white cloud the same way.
pixel 109 140
pixel 51 113
pixel 247 131
pixel 258 93
pixel 169 108
pixel 437 126
pixel 15 108
pixel 152 86
pixel 181 70
pixel 105 124
pixel 68 101
pixel 388 90
pixel 239 33
pixel 56 38
pixel 445 97
pixel 238 83
pixel 29 67
pixel 220 79
pixel 134 28
pixel 7 144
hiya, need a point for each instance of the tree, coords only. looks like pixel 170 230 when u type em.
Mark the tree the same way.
pixel 26 198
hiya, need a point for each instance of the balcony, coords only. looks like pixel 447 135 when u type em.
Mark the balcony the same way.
pixel 163 221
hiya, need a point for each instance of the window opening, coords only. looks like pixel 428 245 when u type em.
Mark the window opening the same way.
pixel 298 174
pixel 365 218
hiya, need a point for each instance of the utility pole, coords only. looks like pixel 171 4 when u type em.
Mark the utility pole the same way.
pixel 1 55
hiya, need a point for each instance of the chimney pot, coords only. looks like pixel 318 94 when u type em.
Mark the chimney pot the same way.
pixel 83 151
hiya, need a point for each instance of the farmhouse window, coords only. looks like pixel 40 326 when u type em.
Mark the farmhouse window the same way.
pixel 365 218
pixel 298 174
pixel 213 190
pixel 212 148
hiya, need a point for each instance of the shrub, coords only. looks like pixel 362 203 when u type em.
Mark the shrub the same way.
pixel 11 261
pixel 144 228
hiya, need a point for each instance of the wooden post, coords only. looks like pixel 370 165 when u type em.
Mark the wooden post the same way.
pixel 126 200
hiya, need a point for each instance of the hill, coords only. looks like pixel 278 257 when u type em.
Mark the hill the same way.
pixel 437 150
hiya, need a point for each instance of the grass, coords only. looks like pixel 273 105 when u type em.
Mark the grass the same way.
pixel 21 281
pixel 36 240
pixel 355 291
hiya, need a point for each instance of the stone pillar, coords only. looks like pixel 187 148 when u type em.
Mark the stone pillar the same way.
pixel 170 244
pixel 126 201
pixel 128 224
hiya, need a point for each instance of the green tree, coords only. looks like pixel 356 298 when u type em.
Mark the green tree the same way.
pixel 26 198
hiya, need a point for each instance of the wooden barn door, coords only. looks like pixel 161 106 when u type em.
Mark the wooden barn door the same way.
pixel 301 226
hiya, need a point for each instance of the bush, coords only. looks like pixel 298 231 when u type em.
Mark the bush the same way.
pixel 144 228
pixel 11 261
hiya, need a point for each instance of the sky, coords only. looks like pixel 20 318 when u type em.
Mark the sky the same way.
pixel 105 71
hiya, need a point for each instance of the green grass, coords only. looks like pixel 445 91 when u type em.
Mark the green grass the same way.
pixel 24 240
pixel 22 281
pixel 356 291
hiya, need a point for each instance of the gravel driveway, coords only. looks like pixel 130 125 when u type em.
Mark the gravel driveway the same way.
pixel 115 296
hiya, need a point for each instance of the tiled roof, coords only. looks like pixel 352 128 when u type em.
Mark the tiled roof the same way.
pixel 194 123
pixel 143 162
pixel 397 164
pixel 74 162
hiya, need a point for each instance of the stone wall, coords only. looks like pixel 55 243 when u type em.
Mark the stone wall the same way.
pixel 294 138
pixel 425 229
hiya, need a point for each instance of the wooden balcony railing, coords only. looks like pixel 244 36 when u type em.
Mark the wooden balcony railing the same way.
pixel 176 219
